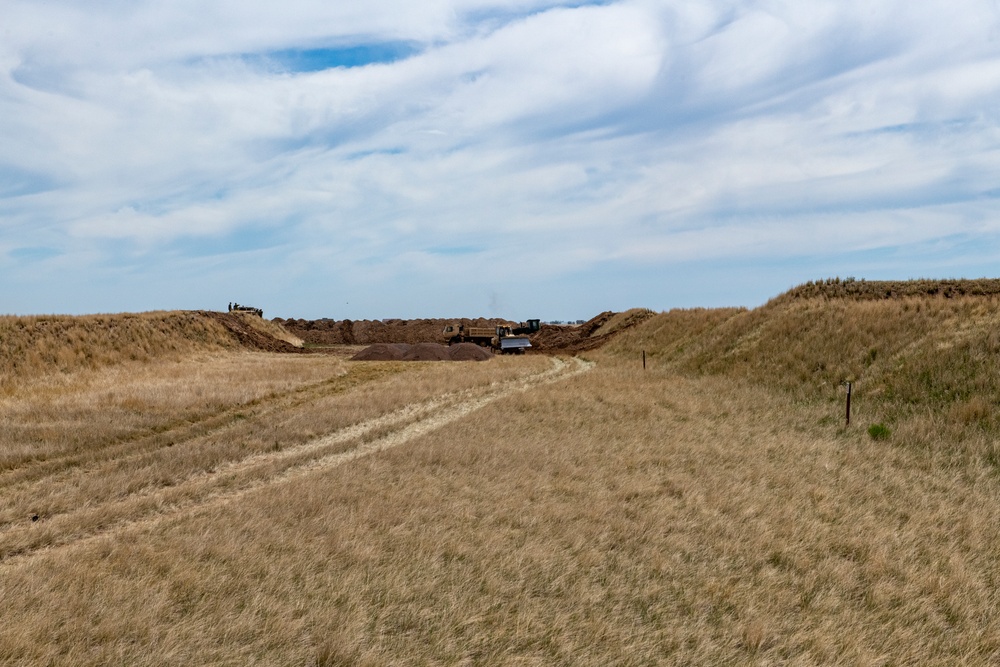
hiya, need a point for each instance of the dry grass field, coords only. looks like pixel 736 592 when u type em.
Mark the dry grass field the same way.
pixel 212 506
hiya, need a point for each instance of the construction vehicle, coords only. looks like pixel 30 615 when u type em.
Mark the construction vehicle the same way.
pixel 461 333
pixel 529 327
pixel 237 308
pixel 502 339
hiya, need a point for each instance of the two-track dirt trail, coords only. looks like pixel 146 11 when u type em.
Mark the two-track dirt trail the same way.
pixel 23 536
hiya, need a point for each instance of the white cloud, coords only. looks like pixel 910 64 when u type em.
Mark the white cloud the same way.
pixel 520 133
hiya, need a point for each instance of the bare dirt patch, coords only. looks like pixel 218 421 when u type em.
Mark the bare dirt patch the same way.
pixel 381 334
pixel 423 352
pixel 248 336
pixel 589 335
pixel 369 332
pixel 468 352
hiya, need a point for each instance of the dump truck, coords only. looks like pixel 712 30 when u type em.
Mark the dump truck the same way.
pixel 461 333
pixel 502 339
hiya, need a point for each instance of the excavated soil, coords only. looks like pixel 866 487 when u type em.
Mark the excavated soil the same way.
pixel 382 352
pixel 369 332
pixel 468 352
pixel 427 336
pixel 423 352
pixel 587 336
pixel 249 337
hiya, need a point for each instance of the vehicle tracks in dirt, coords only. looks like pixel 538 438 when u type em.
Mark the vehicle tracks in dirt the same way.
pixel 231 481
pixel 147 441
pixel 61 484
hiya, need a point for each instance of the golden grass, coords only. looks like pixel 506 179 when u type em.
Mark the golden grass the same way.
pixel 618 517
pixel 863 290
pixel 37 347
pixel 923 365
pixel 119 443
pixel 226 508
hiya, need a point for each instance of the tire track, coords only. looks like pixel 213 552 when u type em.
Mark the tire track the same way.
pixel 234 480
pixel 71 469
pixel 444 417
pixel 143 443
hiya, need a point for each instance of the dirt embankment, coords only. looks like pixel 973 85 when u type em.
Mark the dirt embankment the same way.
pixel 369 332
pixel 587 336
pixel 551 338
pixel 34 346
pixel 423 352
pixel 569 338
pixel 241 327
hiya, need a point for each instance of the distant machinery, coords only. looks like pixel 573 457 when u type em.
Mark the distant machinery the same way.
pixel 502 339
pixel 237 308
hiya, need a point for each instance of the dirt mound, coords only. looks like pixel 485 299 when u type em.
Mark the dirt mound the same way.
pixel 551 338
pixel 422 352
pixel 382 352
pixel 568 338
pixel 589 335
pixel 427 352
pixel 250 336
pixel 369 332
pixel 468 352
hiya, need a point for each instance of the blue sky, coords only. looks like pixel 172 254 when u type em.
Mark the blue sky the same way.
pixel 530 158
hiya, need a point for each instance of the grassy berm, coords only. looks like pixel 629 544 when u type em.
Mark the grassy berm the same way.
pixel 169 495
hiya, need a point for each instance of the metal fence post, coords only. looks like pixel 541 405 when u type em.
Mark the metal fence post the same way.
pixel 848 383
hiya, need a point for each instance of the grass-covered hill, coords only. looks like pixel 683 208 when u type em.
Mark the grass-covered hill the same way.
pixel 38 345
pixel 709 510
pixel 923 356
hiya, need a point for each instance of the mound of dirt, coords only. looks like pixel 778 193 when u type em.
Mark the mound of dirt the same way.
pixel 382 352
pixel 551 338
pixel 427 352
pixel 568 339
pixel 249 336
pixel 422 352
pixel 468 352
pixel 368 332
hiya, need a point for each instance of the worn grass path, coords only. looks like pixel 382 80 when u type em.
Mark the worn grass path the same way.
pixel 25 538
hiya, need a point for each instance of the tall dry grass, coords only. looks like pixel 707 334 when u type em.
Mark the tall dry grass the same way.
pixel 192 509
pixel 621 517
pixel 37 347
pixel 113 445
pixel 865 290
pixel 924 366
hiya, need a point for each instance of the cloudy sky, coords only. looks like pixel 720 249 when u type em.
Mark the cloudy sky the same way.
pixel 518 158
